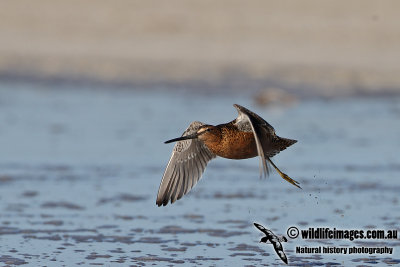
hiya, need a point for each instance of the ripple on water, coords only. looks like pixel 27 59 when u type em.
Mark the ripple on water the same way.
pixel 246 247
pixel 9 260
pixel 95 255
pixel 88 208
pixel 121 198
pixel 61 204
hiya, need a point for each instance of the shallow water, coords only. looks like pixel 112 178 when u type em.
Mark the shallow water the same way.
pixel 80 169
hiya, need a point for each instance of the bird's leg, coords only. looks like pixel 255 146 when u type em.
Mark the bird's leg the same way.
pixel 283 175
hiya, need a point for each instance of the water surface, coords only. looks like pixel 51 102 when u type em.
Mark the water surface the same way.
pixel 80 170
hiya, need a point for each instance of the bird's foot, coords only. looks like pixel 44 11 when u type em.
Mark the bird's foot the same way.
pixel 290 180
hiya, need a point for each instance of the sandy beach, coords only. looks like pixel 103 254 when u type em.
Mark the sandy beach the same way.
pixel 318 49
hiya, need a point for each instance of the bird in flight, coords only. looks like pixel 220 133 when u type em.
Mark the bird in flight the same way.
pixel 274 240
pixel 247 136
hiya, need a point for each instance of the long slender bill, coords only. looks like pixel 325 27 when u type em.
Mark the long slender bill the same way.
pixel 192 136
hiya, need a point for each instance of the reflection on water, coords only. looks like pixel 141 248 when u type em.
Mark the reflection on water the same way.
pixel 80 169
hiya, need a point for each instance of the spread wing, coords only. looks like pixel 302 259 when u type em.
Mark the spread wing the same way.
pixel 268 143
pixel 187 163
pixel 264 230
pixel 279 250
pixel 246 118
pixel 274 240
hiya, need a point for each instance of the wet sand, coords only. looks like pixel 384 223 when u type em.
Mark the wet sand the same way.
pixel 80 169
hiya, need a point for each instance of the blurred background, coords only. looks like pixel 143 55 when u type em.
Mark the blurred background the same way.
pixel 306 47
pixel 90 90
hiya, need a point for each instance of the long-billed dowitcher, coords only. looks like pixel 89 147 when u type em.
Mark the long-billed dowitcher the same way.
pixel 245 137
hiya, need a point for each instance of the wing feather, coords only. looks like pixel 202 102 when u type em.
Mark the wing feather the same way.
pixel 279 250
pixel 184 182
pixel 193 173
pixel 187 163
pixel 168 190
pixel 266 231
pixel 260 227
pixel 271 143
pixel 254 127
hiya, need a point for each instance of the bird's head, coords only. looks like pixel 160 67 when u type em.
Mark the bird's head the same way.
pixel 264 239
pixel 209 133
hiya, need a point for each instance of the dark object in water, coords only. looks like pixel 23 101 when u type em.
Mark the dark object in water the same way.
pixel 274 240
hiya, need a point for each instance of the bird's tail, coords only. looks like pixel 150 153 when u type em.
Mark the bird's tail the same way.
pixel 285 143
